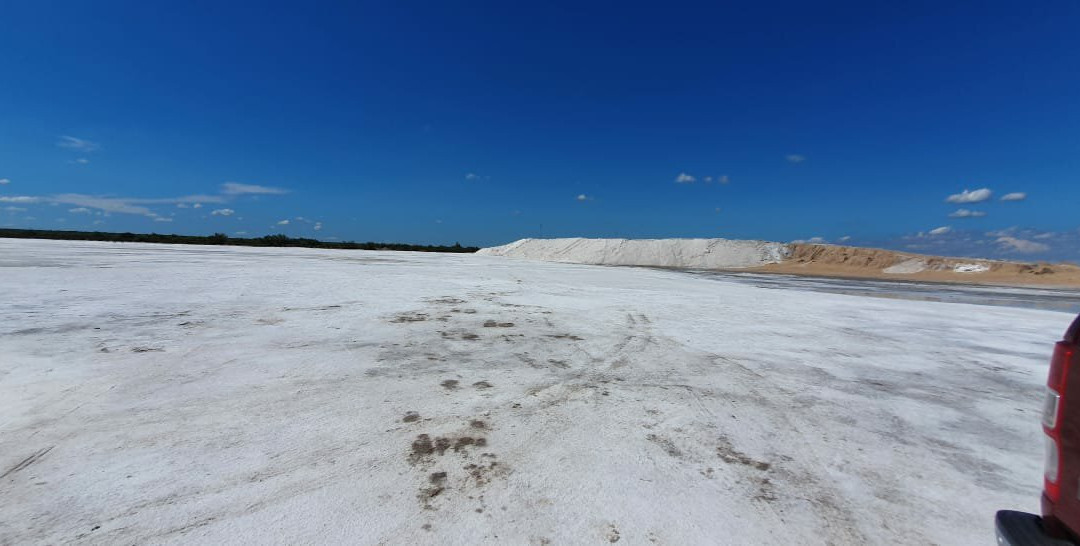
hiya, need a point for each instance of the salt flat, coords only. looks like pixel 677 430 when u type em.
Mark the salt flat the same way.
pixel 158 394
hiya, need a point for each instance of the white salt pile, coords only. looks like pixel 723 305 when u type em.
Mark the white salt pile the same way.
pixel 687 253
pixel 913 265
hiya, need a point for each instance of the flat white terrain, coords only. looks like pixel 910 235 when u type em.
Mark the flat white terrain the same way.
pixel 157 394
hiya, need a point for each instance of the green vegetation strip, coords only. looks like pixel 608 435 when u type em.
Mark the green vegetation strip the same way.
pixel 222 239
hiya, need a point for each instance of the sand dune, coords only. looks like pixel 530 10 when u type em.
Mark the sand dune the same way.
pixel 795 258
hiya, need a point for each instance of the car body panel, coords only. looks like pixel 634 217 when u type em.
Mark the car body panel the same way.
pixel 1064 514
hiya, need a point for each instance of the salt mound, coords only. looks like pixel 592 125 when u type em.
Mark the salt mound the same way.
pixel 686 253
pixel 971 268
pixel 913 265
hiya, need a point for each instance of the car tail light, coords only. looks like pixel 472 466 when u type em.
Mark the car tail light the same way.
pixel 1051 466
pixel 1052 409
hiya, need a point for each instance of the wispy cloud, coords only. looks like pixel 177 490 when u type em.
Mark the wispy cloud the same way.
pixel 684 178
pixel 128 205
pixel 236 188
pixel 583 197
pixel 1014 196
pixel 162 219
pixel 79 210
pixel 222 212
pixel 941 230
pixel 795 158
pixel 284 222
pixel 106 204
pixel 972 196
pixel 82 161
pixel 1023 246
pixel 141 205
pixel 317 226
pixel 472 176
pixel 723 179
pixel 965 213
pixel 80 144
pixel 15 209
pixel 1008 244
pixel 4 181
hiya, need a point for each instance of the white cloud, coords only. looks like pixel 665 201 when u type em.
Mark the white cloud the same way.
pixel 98 222
pixel 684 178
pixel 707 179
pixel 583 197
pixel 1014 196
pixel 79 144
pixel 472 176
pixel 82 161
pixel 973 196
pixel 941 230
pixel 318 226
pixel 965 213
pixel 795 158
pixel 4 181
pixel 222 212
pixel 80 210
pixel 162 219
pixel 197 206
pixel 1021 245
pixel 845 238
pixel 18 199
pixel 723 179
pixel 239 233
pixel 236 188
pixel 284 222
pixel 182 205
pixel 15 209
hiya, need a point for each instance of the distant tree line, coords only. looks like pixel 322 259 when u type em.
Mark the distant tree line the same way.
pixel 222 239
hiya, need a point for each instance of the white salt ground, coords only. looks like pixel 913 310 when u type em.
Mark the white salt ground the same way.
pixel 180 394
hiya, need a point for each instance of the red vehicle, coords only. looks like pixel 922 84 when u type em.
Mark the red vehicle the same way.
pixel 1060 522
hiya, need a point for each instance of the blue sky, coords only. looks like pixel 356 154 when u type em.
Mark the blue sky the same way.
pixel 487 122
